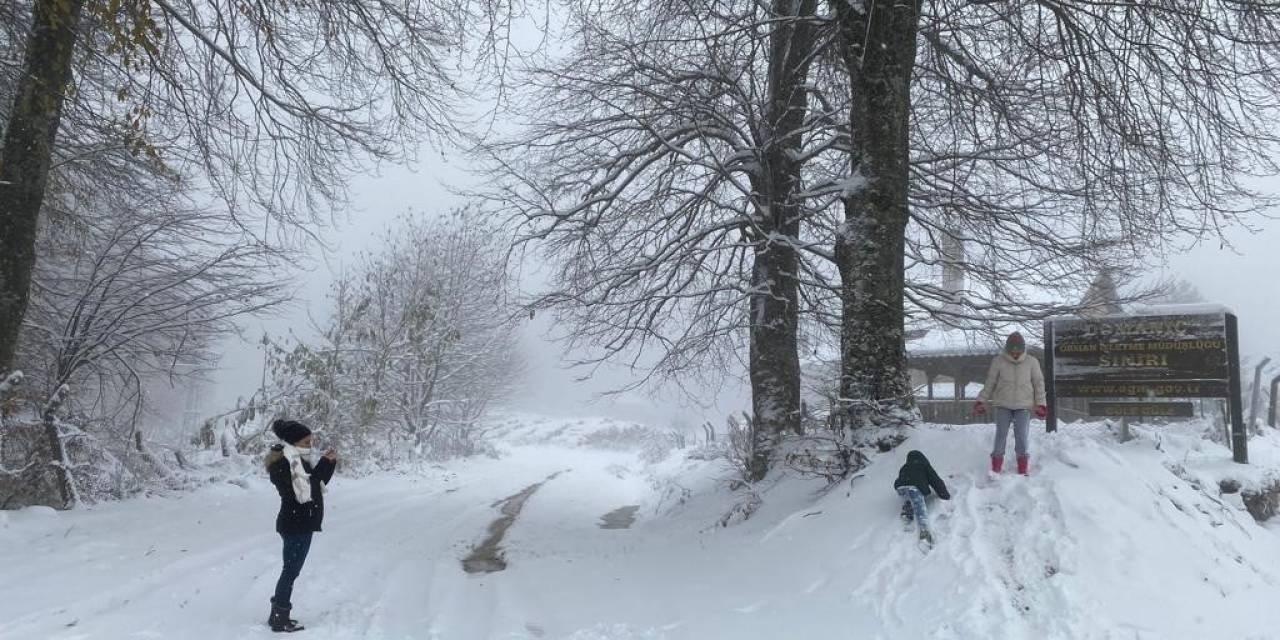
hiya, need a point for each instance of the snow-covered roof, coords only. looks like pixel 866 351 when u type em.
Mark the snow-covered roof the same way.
pixel 952 342
pixel 947 391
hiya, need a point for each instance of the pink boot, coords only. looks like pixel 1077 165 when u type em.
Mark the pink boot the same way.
pixel 1024 461
pixel 997 463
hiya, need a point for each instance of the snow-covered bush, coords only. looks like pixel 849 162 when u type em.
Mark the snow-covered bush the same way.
pixel 742 509
pixel 419 344
pixel 100 469
pixel 651 444
pixel 457 441
pixel 832 456
pixel 735 447
pixel 619 437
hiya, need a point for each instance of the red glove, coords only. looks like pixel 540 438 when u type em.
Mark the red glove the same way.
pixel 980 408
pixel 1042 412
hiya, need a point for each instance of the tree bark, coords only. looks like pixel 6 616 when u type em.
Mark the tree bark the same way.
pixel 57 458
pixel 878 44
pixel 774 359
pixel 26 156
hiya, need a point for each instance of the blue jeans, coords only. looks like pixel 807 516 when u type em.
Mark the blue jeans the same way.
pixel 1021 419
pixel 296 546
pixel 913 499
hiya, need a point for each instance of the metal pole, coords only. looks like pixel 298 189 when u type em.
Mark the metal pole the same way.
pixel 1256 394
pixel 1224 407
pixel 1050 385
pixel 1275 390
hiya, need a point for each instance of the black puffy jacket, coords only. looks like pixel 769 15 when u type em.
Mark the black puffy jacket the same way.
pixel 295 517
pixel 918 473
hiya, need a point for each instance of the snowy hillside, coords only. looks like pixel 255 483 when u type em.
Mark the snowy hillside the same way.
pixel 1104 540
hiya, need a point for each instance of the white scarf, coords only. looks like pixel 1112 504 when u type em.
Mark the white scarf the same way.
pixel 301 479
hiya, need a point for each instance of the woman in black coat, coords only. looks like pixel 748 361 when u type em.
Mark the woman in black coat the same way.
pixel 301 487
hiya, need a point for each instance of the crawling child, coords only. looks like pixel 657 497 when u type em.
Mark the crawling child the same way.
pixel 915 480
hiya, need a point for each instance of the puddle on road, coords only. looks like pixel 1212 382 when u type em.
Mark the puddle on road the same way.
pixel 621 518
pixel 488 557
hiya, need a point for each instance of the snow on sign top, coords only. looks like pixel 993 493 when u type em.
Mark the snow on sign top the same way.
pixel 1138 310
pixel 1191 309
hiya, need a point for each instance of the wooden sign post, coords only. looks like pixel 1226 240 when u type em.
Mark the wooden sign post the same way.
pixel 1239 435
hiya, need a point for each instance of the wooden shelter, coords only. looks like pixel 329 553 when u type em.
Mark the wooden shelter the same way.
pixel 958 359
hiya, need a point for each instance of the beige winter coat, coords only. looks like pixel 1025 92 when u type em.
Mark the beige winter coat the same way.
pixel 1014 384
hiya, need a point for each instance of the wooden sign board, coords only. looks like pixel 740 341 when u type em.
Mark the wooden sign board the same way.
pixel 1142 409
pixel 1172 356
pixel 1143 389
pixel 1194 354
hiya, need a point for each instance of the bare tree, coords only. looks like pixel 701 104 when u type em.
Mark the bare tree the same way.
pixel 663 170
pixel 420 342
pixel 272 104
pixel 1006 145
pixel 1038 126
pixel 135 293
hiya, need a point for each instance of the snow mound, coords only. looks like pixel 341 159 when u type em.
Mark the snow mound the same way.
pixel 1103 540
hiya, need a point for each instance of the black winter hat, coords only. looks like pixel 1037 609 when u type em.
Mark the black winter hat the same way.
pixel 290 431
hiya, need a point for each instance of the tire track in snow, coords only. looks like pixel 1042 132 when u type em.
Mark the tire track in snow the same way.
pixel 395 595
pixel 488 557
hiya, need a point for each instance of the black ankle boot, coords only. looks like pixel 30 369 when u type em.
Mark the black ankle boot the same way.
pixel 280 621
pixel 287 607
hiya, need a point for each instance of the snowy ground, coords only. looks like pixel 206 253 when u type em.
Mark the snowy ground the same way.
pixel 1104 540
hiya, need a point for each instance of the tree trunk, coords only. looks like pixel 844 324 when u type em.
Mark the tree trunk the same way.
pixel 775 315
pixel 878 46
pixel 57 459
pixel 774 362
pixel 26 156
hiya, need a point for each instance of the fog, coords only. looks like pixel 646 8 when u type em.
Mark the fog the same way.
pixel 548 385
pixel 1240 275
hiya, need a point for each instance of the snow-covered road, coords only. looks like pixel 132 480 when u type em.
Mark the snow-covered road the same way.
pixel 388 564
pixel 1104 541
